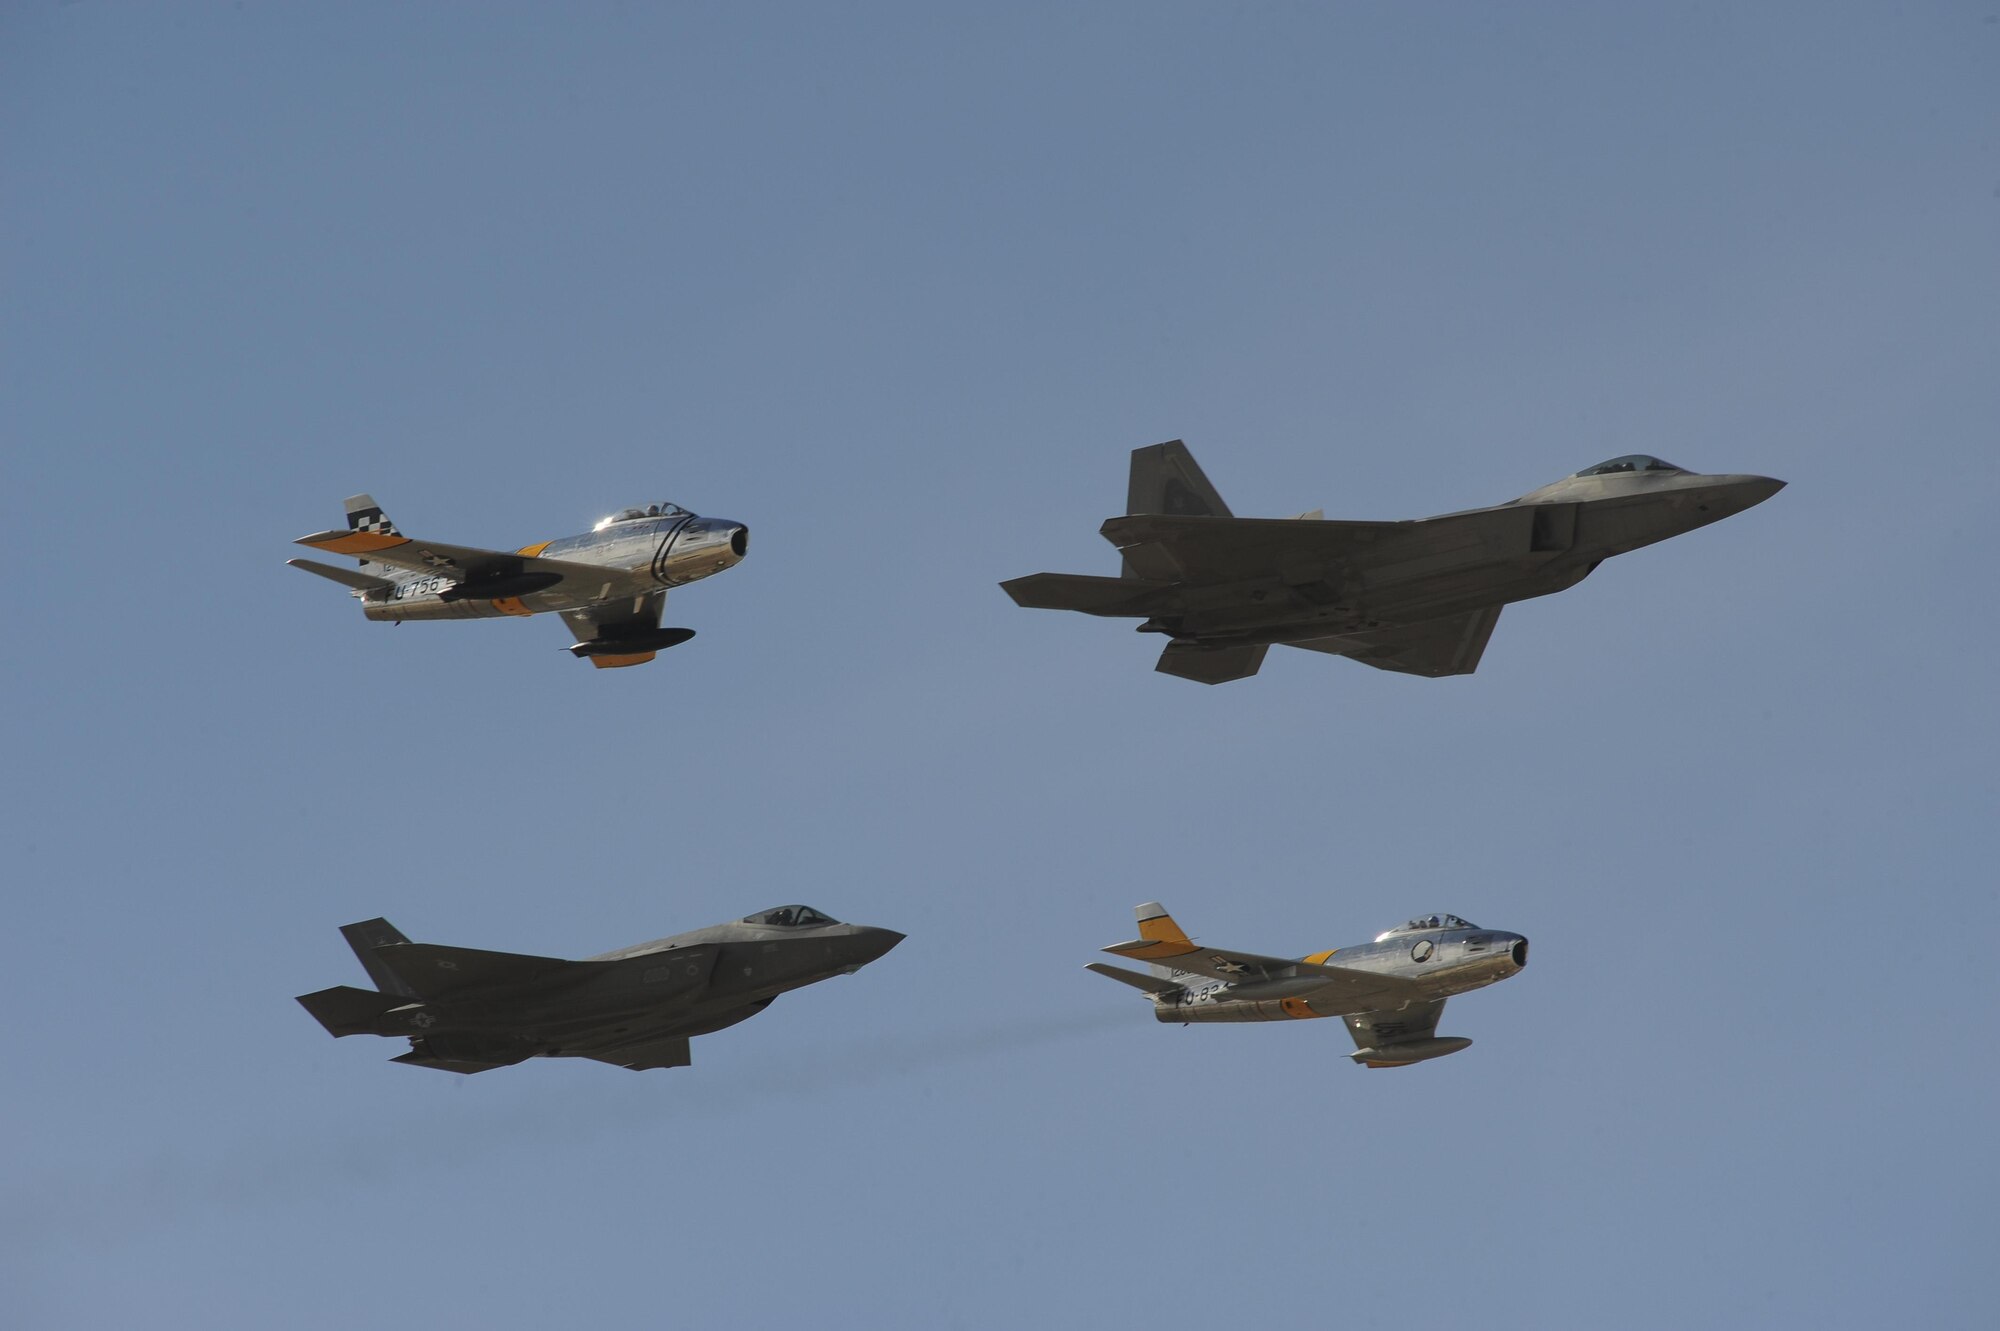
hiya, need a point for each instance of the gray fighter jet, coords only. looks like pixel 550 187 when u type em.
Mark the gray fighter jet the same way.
pixel 464 1010
pixel 608 584
pixel 1390 992
pixel 1420 597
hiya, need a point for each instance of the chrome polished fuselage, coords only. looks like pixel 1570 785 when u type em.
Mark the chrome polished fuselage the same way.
pixel 638 556
pixel 1443 962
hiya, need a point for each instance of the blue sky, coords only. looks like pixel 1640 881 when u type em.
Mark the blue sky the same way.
pixel 899 286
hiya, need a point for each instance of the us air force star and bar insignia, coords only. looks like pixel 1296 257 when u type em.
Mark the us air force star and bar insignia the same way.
pixel 1228 967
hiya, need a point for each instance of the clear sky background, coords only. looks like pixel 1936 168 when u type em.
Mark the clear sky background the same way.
pixel 899 286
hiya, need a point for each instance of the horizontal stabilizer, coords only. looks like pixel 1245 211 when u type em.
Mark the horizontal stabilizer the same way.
pixel 346 577
pixel 433 971
pixel 345 1010
pixel 1153 986
pixel 1081 591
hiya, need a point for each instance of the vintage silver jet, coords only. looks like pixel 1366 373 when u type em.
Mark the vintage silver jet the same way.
pixel 465 1010
pixel 1390 992
pixel 1420 597
pixel 609 584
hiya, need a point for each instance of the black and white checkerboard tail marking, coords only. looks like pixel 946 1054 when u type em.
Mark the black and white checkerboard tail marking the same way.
pixel 364 514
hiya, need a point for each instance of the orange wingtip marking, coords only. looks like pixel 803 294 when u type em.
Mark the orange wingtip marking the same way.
pixel 1144 950
pixel 1319 958
pixel 532 550
pixel 629 659
pixel 360 542
pixel 511 605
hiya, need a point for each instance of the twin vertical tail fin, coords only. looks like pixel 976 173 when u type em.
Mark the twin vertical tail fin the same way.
pixel 368 935
pixel 1165 478
pixel 345 1010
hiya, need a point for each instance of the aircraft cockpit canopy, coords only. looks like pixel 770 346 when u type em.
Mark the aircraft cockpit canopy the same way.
pixel 790 917
pixel 1630 462
pixel 1426 923
pixel 637 514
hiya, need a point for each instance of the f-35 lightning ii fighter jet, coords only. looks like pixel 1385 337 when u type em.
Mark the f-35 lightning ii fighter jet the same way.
pixel 609 584
pixel 1420 597
pixel 1390 991
pixel 464 1010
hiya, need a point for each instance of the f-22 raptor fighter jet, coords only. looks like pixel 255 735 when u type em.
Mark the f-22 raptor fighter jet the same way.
pixel 1420 597
pixel 609 584
pixel 1390 991
pixel 464 1010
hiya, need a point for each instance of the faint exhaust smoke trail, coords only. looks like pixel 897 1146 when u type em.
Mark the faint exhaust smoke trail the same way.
pixel 143 1195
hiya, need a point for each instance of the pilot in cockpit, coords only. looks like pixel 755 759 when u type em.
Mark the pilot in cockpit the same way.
pixel 1630 462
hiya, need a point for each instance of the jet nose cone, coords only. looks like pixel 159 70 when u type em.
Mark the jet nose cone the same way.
pixel 876 942
pixel 1741 492
pixel 1760 488
pixel 739 540
pixel 1520 952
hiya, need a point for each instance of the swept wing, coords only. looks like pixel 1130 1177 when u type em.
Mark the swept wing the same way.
pixel 432 971
pixel 1176 549
pixel 1436 647
pixel 1214 548
pixel 1376 1030
pixel 511 573
pixel 1344 982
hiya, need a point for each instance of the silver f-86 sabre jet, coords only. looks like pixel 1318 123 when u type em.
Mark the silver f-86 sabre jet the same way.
pixel 609 584
pixel 1390 991
pixel 1420 597
pixel 465 1010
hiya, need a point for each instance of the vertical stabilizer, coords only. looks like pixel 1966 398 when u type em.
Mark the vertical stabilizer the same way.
pixel 364 938
pixel 1166 479
pixel 364 515
pixel 1160 939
